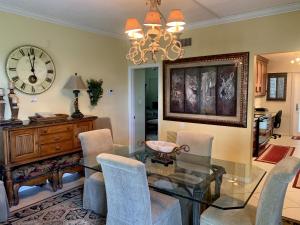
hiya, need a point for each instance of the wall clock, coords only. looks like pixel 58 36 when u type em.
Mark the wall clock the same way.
pixel 31 69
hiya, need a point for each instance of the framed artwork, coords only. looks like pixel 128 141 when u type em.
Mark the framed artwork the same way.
pixel 207 89
pixel 276 90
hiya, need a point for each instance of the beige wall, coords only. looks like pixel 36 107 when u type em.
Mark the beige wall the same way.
pixel 278 33
pixel 90 55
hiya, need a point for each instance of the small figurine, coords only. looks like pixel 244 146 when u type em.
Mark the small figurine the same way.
pixel 13 102
pixel 2 104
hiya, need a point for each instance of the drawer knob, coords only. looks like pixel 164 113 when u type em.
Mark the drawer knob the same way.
pixel 57 147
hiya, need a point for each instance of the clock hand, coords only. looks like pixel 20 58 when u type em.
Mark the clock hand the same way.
pixel 32 78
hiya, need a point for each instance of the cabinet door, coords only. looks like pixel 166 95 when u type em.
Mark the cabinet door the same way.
pixel 23 145
pixel 79 128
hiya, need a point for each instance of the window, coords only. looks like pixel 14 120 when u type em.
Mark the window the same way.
pixel 276 86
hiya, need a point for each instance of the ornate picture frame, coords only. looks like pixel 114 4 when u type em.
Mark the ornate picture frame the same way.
pixel 207 89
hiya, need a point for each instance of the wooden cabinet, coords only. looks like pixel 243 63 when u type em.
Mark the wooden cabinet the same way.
pixel 25 144
pixel 261 76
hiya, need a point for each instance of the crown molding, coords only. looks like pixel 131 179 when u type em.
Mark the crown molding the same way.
pixel 246 16
pixel 21 12
pixel 218 21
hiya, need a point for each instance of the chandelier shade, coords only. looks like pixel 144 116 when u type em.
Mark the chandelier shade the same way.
pixel 132 25
pixel 175 18
pixel 152 19
pixel 159 39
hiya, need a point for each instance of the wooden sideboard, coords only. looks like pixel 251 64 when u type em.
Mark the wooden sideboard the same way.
pixel 35 142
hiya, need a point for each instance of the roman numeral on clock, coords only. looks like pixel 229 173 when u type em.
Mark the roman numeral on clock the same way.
pixel 41 55
pixel 23 86
pixel 47 62
pixel 31 51
pixel 32 89
pixel 22 52
pixel 49 80
pixel 12 69
pixel 50 71
pixel 15 79
pixel 14 58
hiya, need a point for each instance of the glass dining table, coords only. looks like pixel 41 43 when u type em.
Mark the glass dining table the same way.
pixel 200 180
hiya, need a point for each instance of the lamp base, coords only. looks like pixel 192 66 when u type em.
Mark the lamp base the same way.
pixel 77 114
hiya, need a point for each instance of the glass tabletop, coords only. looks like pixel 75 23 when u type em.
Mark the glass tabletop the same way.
pixel 218 183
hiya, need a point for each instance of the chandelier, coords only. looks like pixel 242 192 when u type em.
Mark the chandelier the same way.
pixel 159 38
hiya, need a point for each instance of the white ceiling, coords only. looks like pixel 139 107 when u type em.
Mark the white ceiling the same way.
pixel 108 16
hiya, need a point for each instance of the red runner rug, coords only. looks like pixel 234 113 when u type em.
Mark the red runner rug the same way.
pixel 297 181
pixel 274 153
pixel 296 137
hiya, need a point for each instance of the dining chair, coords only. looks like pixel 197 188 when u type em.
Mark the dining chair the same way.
pixel 199 143
pixel 129 200
pixel 269 209
pixel 4 212
pixel 93 143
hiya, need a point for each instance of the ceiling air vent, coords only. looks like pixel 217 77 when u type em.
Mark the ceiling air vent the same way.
pixel 186 42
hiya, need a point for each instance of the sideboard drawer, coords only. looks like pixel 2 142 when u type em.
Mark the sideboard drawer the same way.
pixel 56 147
pixel 56 129
pixel 54 138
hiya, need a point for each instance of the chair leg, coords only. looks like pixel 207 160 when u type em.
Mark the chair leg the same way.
pixel 54 181
pixel 16 194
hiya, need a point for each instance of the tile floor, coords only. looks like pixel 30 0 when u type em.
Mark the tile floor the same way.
pixel 36 194
pixel 291 207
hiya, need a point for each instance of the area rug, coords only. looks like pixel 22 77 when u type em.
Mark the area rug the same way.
pixel 274 153
pixel 296 137
pixel 62 209
pixel 296 183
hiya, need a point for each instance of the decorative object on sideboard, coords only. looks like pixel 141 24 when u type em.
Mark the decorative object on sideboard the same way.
pixel 159 38
pixel 13 102
pixel 207 89
pixel 2 104
pixel 76 84
pixel 165 150
pixel 95 90
pixel 40 118
pixel 31 69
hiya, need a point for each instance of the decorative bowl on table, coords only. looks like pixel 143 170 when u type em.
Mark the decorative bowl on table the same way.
pixel 164 150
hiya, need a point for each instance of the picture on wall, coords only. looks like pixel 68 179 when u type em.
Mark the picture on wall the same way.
pixel 207 89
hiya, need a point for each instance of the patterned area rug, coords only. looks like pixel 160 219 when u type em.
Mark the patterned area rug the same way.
pixel 274 153
pixel 62 209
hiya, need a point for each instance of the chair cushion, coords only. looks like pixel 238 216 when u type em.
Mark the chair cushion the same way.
pixel 68 160
pixel 164 209
pixel 33 170
pixel 214 216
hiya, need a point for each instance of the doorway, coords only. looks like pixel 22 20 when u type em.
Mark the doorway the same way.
pixel 143 105
pixel 295 107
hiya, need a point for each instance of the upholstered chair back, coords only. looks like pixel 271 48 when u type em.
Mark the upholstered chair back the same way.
pixel 95 142
pixel 128 196
pixel 104 123
pixel 199 143
pixel 269 209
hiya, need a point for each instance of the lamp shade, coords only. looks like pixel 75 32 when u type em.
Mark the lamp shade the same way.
pixel 152 18
pixel 175 18
pixel 132 25
pixel 75 83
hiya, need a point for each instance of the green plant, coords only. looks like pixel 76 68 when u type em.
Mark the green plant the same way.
pixel 95 90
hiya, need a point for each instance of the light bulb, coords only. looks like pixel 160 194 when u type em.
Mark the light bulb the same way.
pixel 298 59
pixel 292 61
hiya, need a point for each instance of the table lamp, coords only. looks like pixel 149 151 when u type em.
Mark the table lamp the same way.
pixel 76 84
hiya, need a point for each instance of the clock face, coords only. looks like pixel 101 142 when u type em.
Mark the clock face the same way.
pixel 31 69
